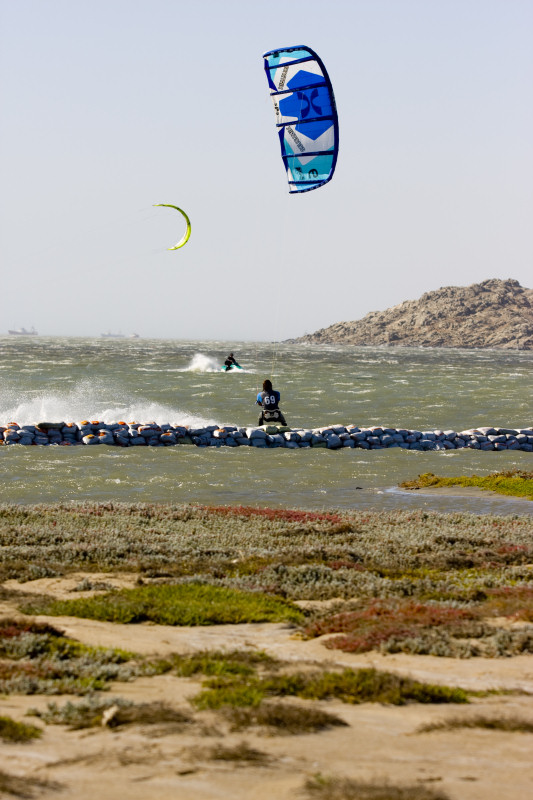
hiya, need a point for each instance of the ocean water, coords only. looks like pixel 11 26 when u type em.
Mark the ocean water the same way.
pixel 180 382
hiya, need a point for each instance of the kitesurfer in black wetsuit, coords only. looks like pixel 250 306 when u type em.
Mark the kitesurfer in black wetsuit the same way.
pixel 269 399
pixel 229 362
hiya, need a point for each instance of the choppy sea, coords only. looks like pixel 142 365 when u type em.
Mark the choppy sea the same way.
pixel 180 382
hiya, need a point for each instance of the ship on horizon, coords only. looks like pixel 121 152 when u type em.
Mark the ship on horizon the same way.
pixel 111 335
pixel 23 332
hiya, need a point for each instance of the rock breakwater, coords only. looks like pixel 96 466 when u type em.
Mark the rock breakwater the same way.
pixel 331 437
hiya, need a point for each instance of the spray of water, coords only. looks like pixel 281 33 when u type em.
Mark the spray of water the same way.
pixel 202 363
pixel 90 400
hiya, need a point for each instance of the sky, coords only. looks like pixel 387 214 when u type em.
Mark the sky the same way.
pixel 110 106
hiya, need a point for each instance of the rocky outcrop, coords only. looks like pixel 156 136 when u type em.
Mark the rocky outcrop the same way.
pixel 494 313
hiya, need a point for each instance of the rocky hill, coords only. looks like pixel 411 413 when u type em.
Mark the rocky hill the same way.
pixel 493 313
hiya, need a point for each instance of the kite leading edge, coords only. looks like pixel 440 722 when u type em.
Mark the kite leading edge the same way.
pixel 186 235
pixel 306 115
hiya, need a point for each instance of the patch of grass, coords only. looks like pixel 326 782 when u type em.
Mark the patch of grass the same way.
pixel 220 662
pixel 111 712
pixel 281 718
pixel 13 731
pixel 181 604
pixel 87 585
pixel 38 659
pixel 349 686
pixel 29 639
pixel 13 628
pixel 156 713
pixel 371 685
pixel 510 601
pixel 241 752
pixel 512 724
pixel 230 693
pixel 321 787
pixel 516 483
pixel 26 787
pixel 274 514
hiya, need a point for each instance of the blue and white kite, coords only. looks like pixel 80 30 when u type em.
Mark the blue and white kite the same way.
pixel 306 116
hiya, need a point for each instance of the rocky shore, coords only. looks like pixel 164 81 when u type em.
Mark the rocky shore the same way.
pixel 491 314
pixel 332 437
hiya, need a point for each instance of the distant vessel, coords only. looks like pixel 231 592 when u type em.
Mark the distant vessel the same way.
pixel 23 332
pixel 110 335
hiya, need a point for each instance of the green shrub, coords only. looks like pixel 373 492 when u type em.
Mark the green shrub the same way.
pixel 181 604
pixel 12 731
pixel 349 686
pixel 281 718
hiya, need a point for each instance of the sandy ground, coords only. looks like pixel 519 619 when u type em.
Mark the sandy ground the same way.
pixel 381 742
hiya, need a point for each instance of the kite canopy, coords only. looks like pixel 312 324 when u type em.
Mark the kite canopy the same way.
pixel 306 116
pixel 185 238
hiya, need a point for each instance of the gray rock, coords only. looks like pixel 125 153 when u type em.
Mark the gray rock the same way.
pixel 450 435
pixel 91 439
pixel 255 433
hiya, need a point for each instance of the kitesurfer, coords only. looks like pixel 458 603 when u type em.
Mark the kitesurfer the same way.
pixel 269 399
pixel 229 362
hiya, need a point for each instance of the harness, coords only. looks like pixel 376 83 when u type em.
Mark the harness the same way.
pixel 269 404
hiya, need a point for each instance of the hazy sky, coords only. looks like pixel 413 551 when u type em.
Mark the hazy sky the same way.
pixel 109 106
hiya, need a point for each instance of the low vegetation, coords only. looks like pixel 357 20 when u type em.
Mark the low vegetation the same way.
pixel 439 629
pixel 516 483
pixel 238 753
pixel 453 585
pixel 306 554
pixel 112 713
pixel 218 662
pixel 322 787
pixel 280 718
pixel 37 659
pixel 491 722
pixel 348 686
pixel 181 604
pixel 13 731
